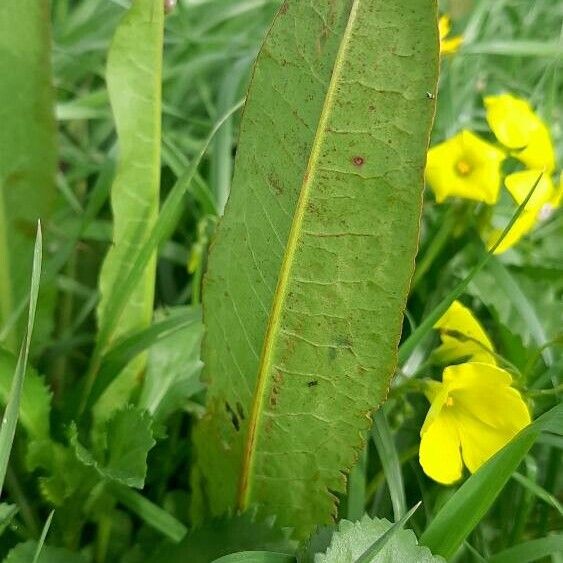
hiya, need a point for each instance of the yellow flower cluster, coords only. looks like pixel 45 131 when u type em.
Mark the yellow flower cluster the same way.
pixel 474 411
pixel 469 167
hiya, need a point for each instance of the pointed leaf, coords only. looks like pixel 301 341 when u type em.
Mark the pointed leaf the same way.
pixel 309 272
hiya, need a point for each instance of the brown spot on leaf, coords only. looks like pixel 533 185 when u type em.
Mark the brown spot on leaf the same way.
pixel 358 160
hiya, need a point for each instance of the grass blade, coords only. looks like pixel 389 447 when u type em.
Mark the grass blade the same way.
pixel 9 422
pixel 43 537
pixel 148 512
pixel 532 550
pixel 383 439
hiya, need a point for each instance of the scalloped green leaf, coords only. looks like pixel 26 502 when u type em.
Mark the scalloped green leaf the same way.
pixel 310 268
pixel 128 436
pixel 352 539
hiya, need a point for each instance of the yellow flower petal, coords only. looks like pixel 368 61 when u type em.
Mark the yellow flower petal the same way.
pixel 487 410
pixel 460 319
pixel 519 185
pixel 465 166
pixel 450 45
pixel 439 453
pixel 518 127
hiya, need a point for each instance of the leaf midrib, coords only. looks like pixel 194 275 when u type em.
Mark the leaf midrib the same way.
pixel 286 267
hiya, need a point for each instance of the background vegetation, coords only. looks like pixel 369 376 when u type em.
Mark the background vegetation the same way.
pixel 509 46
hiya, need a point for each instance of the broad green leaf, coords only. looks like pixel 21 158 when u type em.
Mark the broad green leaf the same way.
pixel 128 437
pixel 35 404
pixel 352 540
pixel 463 511
pixel 134 74
pixel 310 268
pixel 25 552
pixel 222 536
pixel 28 159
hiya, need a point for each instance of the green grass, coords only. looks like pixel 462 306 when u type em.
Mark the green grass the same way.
pixel 509 45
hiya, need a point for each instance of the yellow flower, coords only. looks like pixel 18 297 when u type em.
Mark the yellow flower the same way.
pixel 451 45
pixel 465 166
pixel 463 337
pixel 519 128
pixel 474 412
pixel 543 200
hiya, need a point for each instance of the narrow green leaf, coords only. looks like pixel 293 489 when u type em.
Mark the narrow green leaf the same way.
pixel 134 76
pixel 150 513
pixel 10 419
pixel 515 48
pixel 43 537
pixel 532 550
pixel 28 159
pixel 464 510
pixel 538 491
pixel 256 557
pixel 222 163
pixel 309 272
pixel 385 444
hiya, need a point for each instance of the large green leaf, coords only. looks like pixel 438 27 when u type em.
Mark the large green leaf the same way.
pixel 134 75
pixel 28 160
pixel 309 272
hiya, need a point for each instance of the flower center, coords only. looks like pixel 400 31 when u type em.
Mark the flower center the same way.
pixel 463 167
pixel 450 402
